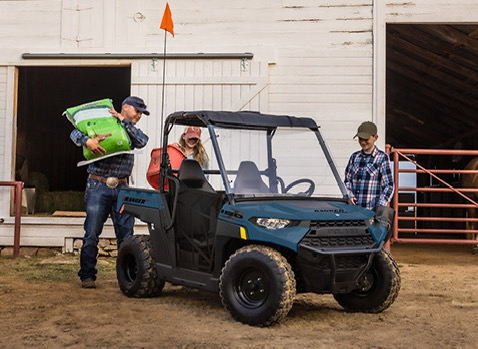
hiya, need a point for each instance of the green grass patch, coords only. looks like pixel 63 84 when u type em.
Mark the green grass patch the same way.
pixel 47 272
pixel 52 269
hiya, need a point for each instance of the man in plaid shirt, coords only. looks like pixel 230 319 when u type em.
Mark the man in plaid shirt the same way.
pixel 368 177
pixel 106 177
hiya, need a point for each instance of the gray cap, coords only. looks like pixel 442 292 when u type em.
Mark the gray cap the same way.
pixel 366 130
pixel 136 102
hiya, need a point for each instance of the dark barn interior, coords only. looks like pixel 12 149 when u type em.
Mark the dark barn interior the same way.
pixel 432 103
pixel 46 158
pixel 432 80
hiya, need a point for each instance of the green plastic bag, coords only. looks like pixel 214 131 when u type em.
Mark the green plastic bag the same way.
pixel 94 119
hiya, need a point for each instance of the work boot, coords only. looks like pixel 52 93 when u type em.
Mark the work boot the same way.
pixel 88 284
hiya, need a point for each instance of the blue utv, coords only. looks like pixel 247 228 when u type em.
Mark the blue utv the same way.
pixel 269 218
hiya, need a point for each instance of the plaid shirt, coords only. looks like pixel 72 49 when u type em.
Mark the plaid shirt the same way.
pixel 121 165
pixel 368 178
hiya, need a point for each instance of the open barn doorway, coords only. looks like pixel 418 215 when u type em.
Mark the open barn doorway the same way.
pixel 46 158
pixel 432 85
pixel 432 103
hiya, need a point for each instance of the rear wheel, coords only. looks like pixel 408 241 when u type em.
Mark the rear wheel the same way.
pixel 135 268
pixel 377 289
pixel 257 286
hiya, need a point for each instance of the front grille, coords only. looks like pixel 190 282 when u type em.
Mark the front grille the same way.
pixel 344 223
pixel 338 234
pixel 338 241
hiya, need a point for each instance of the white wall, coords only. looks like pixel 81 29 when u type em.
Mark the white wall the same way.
pixel 7 130
pixel 319 54
pixel 194 85
pixel 4 191
pixel 432 11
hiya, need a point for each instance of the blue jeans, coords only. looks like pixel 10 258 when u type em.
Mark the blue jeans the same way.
pixel 100 201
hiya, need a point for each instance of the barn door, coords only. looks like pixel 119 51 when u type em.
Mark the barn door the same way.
pixel 195 85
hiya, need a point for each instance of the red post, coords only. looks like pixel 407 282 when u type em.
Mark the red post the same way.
pixel 18 215
pixel 395 195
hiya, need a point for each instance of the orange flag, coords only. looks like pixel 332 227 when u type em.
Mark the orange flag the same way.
pixel 167 22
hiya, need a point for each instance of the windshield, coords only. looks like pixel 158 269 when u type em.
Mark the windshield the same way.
pixel 287 162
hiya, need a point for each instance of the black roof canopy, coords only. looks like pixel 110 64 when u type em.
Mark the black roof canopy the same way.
pixel 241 119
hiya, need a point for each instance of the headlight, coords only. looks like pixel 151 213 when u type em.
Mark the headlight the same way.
pixel 371 220
pixel 272 223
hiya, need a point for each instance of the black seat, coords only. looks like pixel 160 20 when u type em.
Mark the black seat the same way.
pixel 190 174
pixel 198 206
pixel 248 180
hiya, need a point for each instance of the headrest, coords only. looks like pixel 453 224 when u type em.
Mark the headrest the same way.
pixel 248 179
pixel 248 167
pixel 190 172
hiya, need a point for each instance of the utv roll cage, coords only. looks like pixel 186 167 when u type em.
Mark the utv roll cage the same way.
pixel 246 120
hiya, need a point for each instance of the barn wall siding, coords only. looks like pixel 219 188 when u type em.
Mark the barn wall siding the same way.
pixel 432 11
pixel 194 85
pixel 7 84
pixel 30 24
pixel 312 46
pixel 4 191
pixel 53 233
pixel 315 56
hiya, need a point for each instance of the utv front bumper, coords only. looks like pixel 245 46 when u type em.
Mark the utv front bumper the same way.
pixel 334 255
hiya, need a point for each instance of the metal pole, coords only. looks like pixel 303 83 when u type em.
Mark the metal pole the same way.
pixel 424 189
pixel 439 231
pixel 332 166
pixel 438 171
pixel 162 92
pixel 438 241
pixel 395 195
pixel 18 215
pixel 437 151
pixel 164 148
pixel 406 204
pixel 438 219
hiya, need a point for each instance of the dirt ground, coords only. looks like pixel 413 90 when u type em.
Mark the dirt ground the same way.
pixel 42 305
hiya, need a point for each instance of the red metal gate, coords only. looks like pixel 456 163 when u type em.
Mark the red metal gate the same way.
pixel 396 155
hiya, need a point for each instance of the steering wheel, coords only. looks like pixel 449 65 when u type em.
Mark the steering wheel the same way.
pixel 308 192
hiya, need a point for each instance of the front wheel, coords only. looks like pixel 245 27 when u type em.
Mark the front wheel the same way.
pixel 257 286
pixel 377 289
pixel 135 268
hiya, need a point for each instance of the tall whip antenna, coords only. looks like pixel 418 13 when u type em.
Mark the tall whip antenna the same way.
pixel 168 26
pixel 162 92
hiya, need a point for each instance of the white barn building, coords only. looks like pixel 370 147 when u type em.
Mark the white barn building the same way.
pixel 315 58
